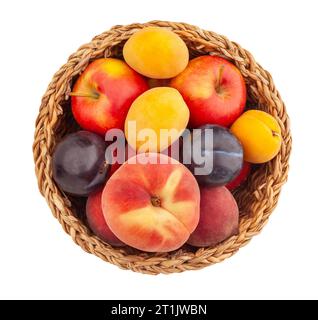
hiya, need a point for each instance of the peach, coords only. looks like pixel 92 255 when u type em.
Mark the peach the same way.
pixel 219 217
pixel 157 109
pixel 259 134
pixel 156 53
pixel 152 205
pixel 103 94
pixel 96 220
pixel 214 90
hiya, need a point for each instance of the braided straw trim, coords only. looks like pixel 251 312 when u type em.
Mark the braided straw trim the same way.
pixel 256 200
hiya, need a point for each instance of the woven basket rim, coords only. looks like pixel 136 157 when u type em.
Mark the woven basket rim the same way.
pixel 258 198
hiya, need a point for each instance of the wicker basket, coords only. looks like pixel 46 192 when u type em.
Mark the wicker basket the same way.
pixel 257 198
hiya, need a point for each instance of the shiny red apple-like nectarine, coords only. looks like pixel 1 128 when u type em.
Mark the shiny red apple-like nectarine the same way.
pixel 214 90
pixel 103 94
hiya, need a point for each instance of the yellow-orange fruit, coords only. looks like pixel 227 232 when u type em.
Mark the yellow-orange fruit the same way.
pixel 152 206
pixel 164 112
pixel 259 134
pixel 156 53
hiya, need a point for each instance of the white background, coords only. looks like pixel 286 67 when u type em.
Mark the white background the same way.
pixel 38 260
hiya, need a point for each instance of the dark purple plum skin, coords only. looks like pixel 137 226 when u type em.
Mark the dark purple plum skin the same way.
pixel 78 163
pixel 227 154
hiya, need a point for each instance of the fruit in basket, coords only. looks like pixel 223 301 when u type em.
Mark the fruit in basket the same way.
pixel 157 109
pixel 156 53
pixel 78 163
pixel 103 94
pixel 214 151
pixel 96 220
pixel 219 217
pixel 242 176
pixel 259 134
pixel 213 89
pixel 152 205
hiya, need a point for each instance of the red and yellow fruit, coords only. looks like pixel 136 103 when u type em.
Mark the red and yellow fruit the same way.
pixel 152 202
pixel 103 94
pixel 152 206
pixel 213 89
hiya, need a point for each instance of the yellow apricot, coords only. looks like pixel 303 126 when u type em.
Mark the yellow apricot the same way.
pixel 164 112
pixel 156 53
pixel 259 134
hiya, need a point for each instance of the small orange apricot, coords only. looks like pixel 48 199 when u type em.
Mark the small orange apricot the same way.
pixel 156 53
pixel 259 134
pixel 156 119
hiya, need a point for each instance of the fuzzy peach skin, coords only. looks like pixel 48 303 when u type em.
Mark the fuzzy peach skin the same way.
pixel 219 217
pixel 214 90
pixel 96 220
pixel 103 94
pixel 153 206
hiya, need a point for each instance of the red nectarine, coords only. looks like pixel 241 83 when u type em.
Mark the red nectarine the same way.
pixel 219 217
pixel 96 220
pixel 103 94
pixel 214 90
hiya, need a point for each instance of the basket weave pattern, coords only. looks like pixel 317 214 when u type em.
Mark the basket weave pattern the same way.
pixel 257 199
